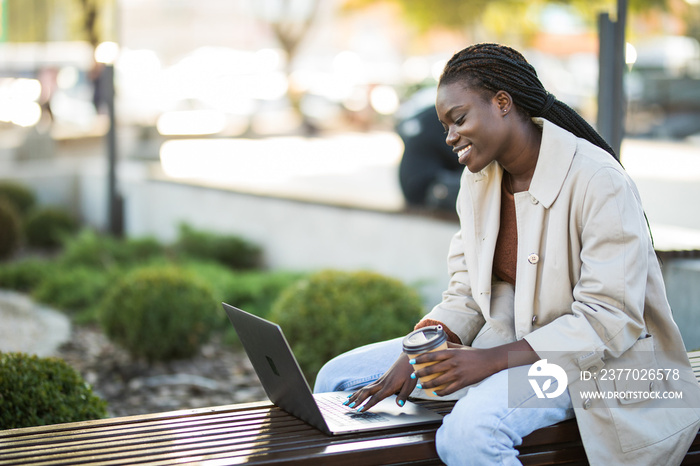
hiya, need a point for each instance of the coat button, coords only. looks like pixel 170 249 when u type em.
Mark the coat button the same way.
pixel 587 404
pixel 534 319
pixel 533 258
pixel 533 200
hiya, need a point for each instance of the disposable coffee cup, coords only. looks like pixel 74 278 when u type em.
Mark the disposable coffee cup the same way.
pixel 425 340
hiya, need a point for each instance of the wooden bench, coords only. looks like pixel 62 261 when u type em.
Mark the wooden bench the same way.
pixel 259 433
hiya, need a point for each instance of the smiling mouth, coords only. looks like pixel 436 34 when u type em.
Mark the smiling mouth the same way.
pixel 462 153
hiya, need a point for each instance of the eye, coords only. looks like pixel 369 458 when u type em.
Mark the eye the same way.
pixel 459 120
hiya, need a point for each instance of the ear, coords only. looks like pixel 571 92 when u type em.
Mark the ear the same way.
pixel 503 101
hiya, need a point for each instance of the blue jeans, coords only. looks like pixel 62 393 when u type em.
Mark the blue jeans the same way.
pixel 485 425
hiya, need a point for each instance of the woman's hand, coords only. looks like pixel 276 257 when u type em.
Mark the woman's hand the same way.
pixel 462 365
pixel 397 380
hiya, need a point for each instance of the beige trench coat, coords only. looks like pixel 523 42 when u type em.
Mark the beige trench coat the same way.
pixel 589 296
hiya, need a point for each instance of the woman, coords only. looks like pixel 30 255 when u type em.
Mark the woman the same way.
pixel 554 263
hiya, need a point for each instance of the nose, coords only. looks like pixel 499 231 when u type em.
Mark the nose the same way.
pixel 452 137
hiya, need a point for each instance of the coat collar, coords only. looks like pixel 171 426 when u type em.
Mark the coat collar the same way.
pixel 481 219
pixel 556 154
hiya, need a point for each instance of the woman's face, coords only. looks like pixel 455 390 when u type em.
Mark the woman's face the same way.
pixel 474 125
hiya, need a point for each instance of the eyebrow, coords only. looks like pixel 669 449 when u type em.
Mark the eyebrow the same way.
pixel 449 113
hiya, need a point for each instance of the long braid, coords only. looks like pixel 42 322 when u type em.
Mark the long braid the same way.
pixel 496 67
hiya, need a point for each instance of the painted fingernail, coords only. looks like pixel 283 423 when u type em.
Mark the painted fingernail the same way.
pixel 352 405
pixel 346 402
pixel 401 402
pixel 419 386
pixel 435 394
pixel 350 395
pixel 413 376
pixel 412 361
pixel 359 410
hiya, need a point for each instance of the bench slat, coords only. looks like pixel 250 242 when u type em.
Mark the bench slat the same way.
pixel 260 433
pixel 276 435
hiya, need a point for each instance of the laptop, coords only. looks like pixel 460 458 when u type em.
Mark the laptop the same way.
pixel 285 385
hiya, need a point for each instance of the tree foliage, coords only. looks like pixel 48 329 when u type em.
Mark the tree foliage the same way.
pixel 60 20
pixel 498 16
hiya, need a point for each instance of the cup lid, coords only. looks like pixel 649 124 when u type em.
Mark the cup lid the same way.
pixel 424 339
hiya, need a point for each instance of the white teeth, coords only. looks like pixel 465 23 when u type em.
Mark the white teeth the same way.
pixel 464 151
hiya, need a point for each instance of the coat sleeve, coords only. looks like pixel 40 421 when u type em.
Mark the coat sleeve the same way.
pixel 458 311
pixel 606 316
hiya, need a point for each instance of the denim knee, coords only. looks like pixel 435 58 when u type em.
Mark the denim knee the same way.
pixel 325 379
pixel 357 367
pixel 490 421
pixel 477 440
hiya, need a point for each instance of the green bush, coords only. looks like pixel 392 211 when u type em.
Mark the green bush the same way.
pixel 256 291
pixel 10 228
pixel 101 251
pixel 216 275
pixel 252 290
pixel 74 289
pixel 332 312
pixel 41 391
pixel 232 251
pixel 159 313
pixel 24 275
pixel 19 195
pixel 46 227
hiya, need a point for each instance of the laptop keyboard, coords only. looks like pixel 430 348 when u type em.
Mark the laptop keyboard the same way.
pixel 334 409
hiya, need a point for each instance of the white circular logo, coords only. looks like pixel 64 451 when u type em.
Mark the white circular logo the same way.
pixel 547 373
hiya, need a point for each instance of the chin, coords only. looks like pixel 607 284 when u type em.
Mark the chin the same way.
pixel 474 168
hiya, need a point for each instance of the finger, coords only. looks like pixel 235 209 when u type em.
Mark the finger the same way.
pixel 441 379
pixel 376 397
pixel 352 399
pixel 357 398
pixel 373 400
pixel 405 391
pixel 434 356
pixel 367 406
pixel 432 369
pixel 447 390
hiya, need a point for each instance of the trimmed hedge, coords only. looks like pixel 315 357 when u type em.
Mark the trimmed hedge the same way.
pixel 41 391
pixel 91 249
pixel 10 228
pixel 160 313
pixel 332 312
pixel 47 227
pixel 229 250
pixel 74 290
pixel 21 196
pixel 25 275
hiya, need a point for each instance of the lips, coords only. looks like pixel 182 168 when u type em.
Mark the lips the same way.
pixel 463 153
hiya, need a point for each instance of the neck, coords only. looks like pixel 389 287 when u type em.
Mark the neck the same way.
pixel 521 164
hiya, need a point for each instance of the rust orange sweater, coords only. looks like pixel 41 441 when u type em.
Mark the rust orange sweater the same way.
pixel 505 256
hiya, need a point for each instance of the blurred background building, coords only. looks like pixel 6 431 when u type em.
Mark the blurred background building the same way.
pixel 243 67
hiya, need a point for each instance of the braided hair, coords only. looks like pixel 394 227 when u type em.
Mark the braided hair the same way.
pixel 495 67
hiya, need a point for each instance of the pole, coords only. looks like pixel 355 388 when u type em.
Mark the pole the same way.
pixel 114 210
pixel 611 92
